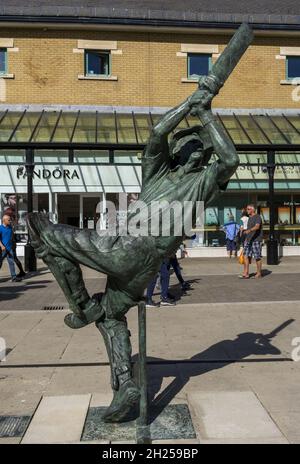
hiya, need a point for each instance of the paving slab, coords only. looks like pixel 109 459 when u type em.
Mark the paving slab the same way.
pixel 128 442
pixel 208 377
pixel 50 338
pixel 248 441
pixel 288 422
pixel 231 416
pixel 3 316
pixel 85 346
pixel 14 327
pixel 93 442
pixel 79 380
pixel 10 441
pixel 58 419
pixel 276 386
pixel 22 388
pixel 176 442
pixel 101 399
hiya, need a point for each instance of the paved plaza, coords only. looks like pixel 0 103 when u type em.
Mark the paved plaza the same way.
pixel 217 352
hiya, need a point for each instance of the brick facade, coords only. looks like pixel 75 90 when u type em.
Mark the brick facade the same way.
pixel 148 70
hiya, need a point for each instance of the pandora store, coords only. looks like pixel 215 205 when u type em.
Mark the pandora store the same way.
pixel 74 195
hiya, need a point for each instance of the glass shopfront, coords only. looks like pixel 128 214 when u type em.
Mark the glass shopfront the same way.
pixel 287 216
pixel 15 205
pixel 229 207
pixel 82 210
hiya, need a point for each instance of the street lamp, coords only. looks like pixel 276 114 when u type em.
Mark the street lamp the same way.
pixel 30 258
pixel 272 244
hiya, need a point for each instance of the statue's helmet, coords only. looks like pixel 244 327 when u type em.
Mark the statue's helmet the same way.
pixel 187 141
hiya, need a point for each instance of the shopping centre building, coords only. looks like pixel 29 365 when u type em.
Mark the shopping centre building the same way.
pixel 81 86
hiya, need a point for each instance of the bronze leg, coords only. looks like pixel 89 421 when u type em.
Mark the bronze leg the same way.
pixel 126 393
pixel 69 277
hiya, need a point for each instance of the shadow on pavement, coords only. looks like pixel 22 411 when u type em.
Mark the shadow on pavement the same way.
pixel 215 357
pixel 35 282
pixel 266 272
pixel 176 292
pixel 17 290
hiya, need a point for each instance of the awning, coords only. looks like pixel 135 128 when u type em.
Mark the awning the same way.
pixel 89 130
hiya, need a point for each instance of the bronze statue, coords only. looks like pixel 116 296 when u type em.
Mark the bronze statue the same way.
pixel 178 169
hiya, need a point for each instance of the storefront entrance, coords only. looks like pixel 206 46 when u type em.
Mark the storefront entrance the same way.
pixel 68 209
pixel 79 210
pixel 89 211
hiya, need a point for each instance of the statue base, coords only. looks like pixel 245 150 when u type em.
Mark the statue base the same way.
pixel 154 423
pixel 172 423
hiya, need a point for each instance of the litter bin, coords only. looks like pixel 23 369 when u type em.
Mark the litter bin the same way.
pixel 30 258
pixel 272 252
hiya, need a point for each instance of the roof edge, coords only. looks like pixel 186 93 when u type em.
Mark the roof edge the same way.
pixel 142 109
pixel 291 23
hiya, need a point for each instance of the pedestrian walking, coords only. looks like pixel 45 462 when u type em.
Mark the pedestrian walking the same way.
pixel 6 245
pixel 165 297
pixel 253 242
pixel 175 265
pixel 22 273
pixel 231 230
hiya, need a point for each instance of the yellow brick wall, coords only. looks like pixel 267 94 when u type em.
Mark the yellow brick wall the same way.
pixel 148 70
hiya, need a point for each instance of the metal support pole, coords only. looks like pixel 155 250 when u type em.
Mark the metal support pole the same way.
pixel 30 259
pixel 143 435
pixel 272 245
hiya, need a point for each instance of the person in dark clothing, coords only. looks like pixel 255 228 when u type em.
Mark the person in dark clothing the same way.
pixel 175 265
pixel 165 299
pixel 22 273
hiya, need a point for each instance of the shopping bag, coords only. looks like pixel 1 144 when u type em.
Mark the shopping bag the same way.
pixel 241 257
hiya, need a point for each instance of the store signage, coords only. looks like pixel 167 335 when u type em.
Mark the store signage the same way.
pixel 56 173
pixel 261 168
pixel 291 203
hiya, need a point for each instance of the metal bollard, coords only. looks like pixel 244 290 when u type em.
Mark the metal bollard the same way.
pixel 143 435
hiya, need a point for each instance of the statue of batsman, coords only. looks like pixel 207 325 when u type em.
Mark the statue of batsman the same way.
pixel 174 168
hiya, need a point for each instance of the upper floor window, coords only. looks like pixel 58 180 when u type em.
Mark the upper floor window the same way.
pixel 3 60
pixel 292 67
pixel 199 64
pixel 97 63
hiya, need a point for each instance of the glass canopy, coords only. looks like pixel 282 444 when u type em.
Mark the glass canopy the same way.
pixel 127 129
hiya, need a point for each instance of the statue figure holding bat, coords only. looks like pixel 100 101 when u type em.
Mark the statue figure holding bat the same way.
pixel 176 168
